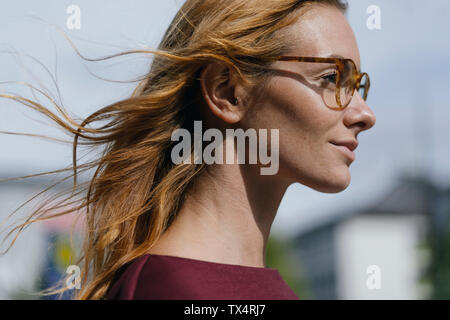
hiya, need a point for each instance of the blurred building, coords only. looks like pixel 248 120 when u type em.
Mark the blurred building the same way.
pixel 385 251
pixel 22 264
pixel 43 251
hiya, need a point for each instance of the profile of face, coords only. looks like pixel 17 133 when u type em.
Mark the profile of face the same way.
pixel 292 102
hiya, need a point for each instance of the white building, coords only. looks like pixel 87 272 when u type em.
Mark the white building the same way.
pixel 379 252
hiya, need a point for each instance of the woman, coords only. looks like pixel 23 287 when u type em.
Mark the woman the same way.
pixel 162 230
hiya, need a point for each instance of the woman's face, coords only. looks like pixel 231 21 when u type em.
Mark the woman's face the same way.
pixel 292 102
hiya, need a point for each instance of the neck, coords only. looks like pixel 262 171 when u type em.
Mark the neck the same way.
pixel 226 217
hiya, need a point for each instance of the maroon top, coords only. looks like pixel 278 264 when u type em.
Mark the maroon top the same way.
pixel 161 277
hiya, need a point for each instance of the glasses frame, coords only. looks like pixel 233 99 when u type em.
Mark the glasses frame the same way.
pixel 340 64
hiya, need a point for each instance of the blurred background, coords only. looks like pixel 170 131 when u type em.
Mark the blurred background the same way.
pixel 387 236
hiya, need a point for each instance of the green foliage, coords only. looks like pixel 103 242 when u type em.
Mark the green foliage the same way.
pixel 280 256
pixel 441 267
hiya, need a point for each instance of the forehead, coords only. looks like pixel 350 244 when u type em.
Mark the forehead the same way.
pixel 323 31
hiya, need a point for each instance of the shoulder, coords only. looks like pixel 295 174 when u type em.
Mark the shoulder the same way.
pixel 126 279
pixel 153 277
pixel 159 277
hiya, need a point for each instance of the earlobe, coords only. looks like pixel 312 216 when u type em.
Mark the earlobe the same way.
pixel 218 89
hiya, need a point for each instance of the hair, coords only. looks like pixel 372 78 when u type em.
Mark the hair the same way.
pixel 136 190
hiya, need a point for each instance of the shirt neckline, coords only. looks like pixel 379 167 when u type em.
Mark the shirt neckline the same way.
pixel 228 265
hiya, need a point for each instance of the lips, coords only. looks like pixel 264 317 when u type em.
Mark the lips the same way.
pixel 350 144
pixel 347 148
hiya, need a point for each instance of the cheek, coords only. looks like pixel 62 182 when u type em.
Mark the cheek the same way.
pixel 298 112
pixel 303 120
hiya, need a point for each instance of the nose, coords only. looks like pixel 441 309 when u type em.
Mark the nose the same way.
pixel 359 115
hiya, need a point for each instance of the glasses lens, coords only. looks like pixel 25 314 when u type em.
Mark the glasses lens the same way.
pixel 364 86
pixel 329 88
pixel 347 83
pixel 329 96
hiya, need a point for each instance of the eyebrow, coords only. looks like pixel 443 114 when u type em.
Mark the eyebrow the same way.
pixel 340 57
pixel 336 56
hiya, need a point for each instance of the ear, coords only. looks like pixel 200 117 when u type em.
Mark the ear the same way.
pixel 220 88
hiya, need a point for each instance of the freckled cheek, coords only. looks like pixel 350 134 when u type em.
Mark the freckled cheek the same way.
pixel 300 113
pixel 304 123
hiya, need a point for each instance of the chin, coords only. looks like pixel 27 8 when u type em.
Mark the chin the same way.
pixel 332 183
pixel 335 184
pixel 333 188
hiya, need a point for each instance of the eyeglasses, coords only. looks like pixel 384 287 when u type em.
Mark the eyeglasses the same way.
pixel 338 92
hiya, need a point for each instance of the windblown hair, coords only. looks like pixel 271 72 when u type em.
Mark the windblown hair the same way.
pixel 136 190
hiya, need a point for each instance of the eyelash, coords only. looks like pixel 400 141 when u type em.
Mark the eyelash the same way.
pixel 326 77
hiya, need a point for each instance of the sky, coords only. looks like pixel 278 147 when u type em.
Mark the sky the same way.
pixel 407 59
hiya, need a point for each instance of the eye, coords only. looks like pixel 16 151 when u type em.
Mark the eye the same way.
pixel 331 77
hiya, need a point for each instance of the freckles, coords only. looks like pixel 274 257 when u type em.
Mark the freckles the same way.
pixel 290 100
pixel 300 111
